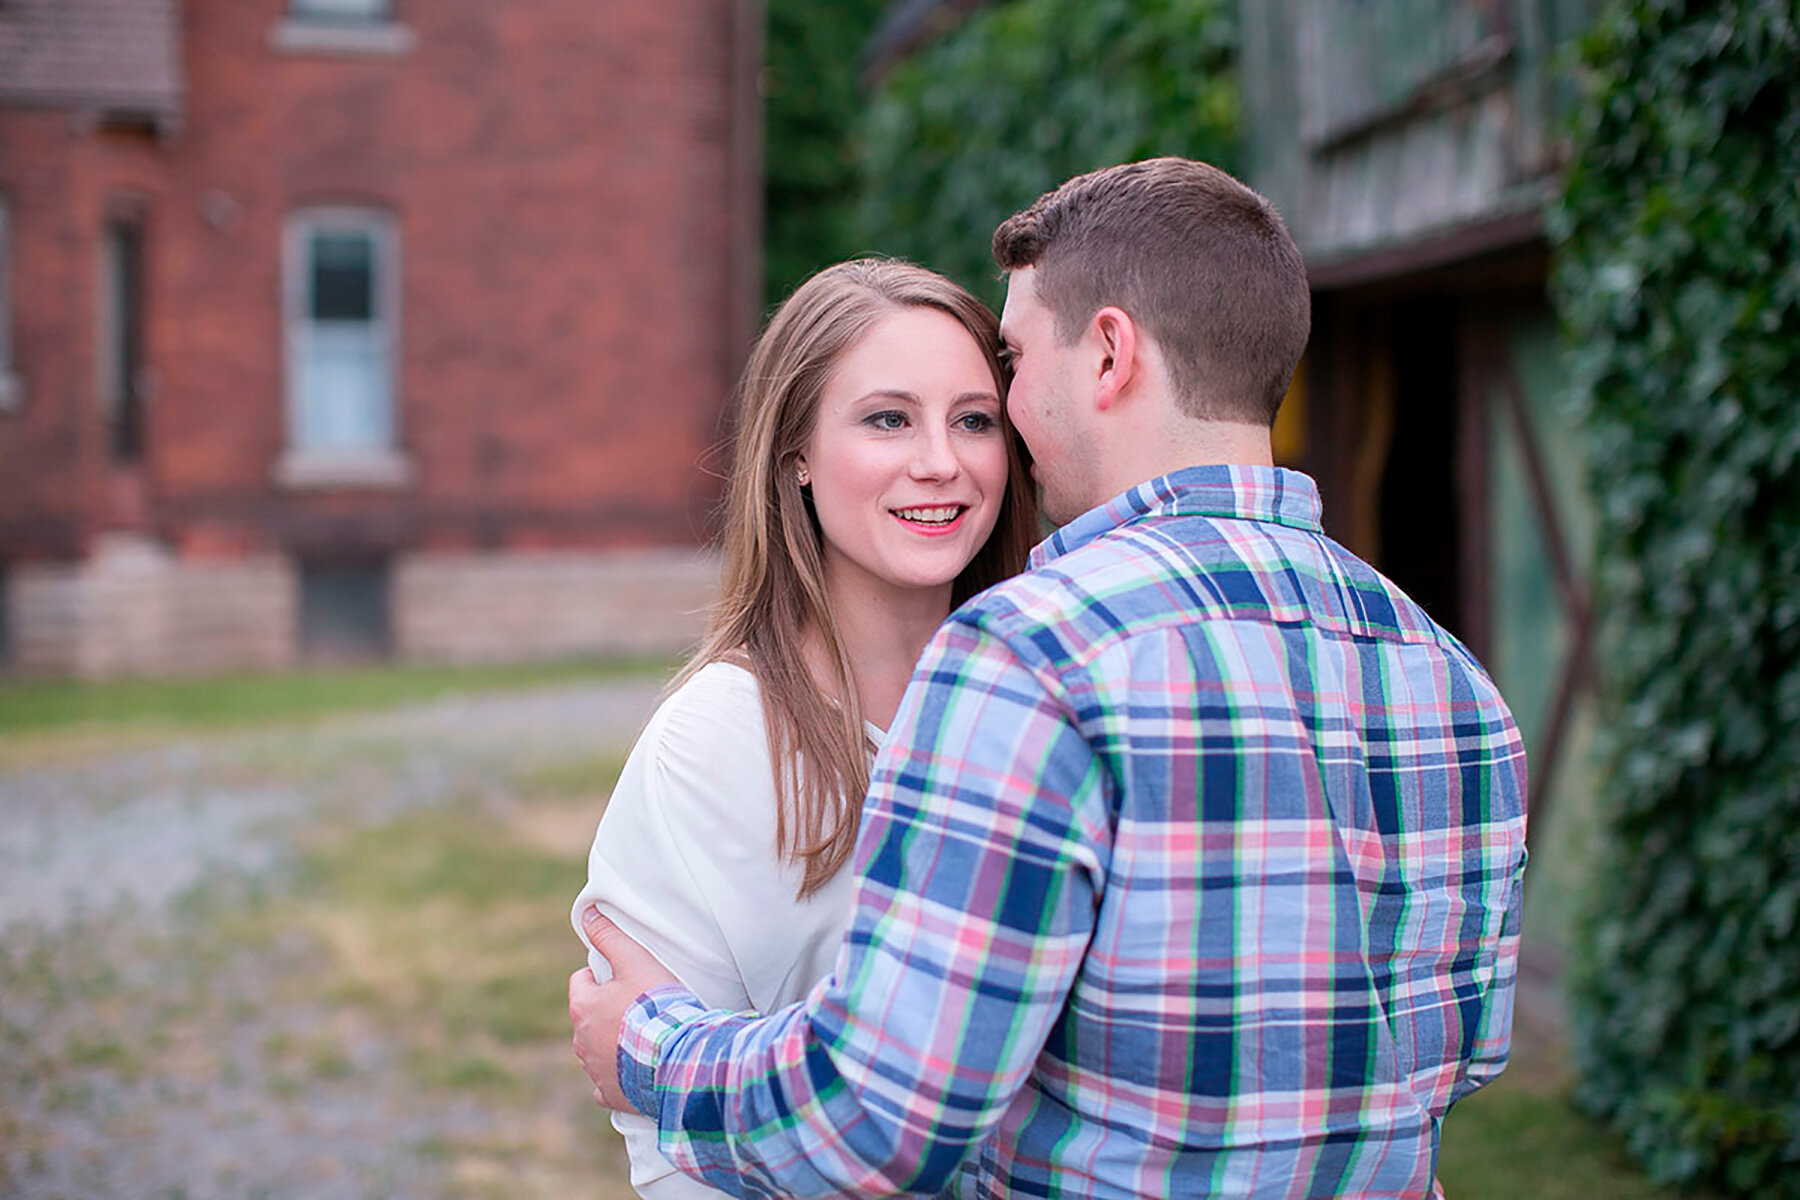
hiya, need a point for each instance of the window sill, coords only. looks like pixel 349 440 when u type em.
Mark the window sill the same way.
pixel 368 470
pixel 384 40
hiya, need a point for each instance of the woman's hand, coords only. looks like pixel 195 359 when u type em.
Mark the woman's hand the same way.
pixel 597 1010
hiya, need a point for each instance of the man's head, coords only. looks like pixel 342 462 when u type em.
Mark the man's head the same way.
pixel 1202 265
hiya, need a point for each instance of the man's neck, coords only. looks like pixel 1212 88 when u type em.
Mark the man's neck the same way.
pixel 1184 442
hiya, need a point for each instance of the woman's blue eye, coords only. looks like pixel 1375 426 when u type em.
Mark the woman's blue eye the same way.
pixel 977 422
pixel 890 419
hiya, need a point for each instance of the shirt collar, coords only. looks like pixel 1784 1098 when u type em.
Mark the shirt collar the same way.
pixel 1245 493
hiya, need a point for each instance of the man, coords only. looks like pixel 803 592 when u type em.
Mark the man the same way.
pixel 1192 864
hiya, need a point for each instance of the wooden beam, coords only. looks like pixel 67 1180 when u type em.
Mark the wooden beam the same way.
pixel 1576 667
pixel 1506 232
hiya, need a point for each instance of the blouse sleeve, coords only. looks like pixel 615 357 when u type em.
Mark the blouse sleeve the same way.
pixel 672 841
pixel 673 838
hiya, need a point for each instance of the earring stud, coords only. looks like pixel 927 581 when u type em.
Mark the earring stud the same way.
pixel 802 476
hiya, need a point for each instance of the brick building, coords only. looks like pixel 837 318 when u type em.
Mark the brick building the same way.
pixel 365 326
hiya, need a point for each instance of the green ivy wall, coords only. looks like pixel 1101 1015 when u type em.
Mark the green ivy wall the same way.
pixel 1679 286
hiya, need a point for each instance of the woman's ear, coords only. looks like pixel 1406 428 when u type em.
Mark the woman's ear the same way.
pixel 802 473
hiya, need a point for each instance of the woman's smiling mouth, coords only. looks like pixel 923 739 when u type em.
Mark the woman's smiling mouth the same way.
pixel 933 518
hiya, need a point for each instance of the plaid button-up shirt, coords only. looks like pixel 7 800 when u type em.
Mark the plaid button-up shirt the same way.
pixel 1191 867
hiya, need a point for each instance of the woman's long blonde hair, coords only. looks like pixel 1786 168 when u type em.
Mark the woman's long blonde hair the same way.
pixel 772 586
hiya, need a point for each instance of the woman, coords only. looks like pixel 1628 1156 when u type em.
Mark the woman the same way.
pixel 876 484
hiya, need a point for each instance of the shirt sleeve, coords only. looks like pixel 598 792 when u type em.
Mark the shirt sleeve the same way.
pixel 1491 1045
pixel 980 866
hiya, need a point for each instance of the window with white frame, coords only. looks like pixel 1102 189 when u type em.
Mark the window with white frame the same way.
pixel 341 28
pixel 345 11
pixel 342 332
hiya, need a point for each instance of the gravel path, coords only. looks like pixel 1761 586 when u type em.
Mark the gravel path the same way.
pixel 96 853
pixel 144 825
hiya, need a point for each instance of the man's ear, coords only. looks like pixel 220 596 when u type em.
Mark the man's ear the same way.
pixel 1116 337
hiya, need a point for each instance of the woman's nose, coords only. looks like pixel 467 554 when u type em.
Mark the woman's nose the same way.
pixel 934 457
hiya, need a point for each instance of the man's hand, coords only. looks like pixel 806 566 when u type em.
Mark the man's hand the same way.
pixel 597 1010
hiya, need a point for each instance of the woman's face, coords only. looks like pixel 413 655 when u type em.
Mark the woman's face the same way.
pixel 907 458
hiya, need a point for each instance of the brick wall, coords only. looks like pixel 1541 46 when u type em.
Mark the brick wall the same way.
pixel 569 183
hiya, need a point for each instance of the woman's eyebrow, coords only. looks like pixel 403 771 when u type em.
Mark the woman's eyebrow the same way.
pixel 889 394
pixel 906 397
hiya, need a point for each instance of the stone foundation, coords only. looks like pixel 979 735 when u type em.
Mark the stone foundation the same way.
pixel 133 608
pixel 481 608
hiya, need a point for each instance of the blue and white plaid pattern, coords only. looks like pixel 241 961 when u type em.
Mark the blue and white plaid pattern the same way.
pixel 1191 867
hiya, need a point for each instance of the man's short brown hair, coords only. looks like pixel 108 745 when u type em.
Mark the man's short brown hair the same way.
pixel 1203 263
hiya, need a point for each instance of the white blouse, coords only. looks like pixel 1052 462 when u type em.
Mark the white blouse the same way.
pixel 684 861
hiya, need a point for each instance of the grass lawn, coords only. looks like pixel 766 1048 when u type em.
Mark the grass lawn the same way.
pixel 1520 1137
pixel 152 706
pixel 445 936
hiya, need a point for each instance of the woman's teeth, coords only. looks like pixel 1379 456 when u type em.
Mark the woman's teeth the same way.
pixel 929 516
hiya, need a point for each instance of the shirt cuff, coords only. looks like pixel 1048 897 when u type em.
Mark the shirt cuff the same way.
pixel 651 1020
